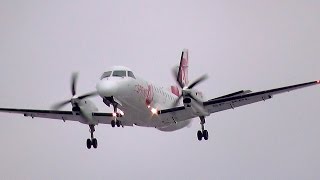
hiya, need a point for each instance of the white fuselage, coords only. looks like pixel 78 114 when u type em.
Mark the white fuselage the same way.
pixel 138 98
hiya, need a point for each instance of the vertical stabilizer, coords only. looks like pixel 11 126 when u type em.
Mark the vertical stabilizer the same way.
pixel 183 69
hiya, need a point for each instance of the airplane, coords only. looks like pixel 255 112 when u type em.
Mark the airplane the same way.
pixel 137 102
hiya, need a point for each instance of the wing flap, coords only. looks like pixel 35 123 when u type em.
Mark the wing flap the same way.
pixel 234 94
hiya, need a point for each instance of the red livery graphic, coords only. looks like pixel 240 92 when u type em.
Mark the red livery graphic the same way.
pixel 183 69
pixel 145 92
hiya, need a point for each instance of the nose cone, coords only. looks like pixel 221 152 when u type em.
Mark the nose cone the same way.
pixel 107 88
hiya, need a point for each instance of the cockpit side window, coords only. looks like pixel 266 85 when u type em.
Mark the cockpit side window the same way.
pixel 130 74
pixel 106 74
pixel 119 74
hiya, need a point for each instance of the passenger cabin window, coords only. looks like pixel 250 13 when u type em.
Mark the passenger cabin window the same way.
pixel 106 74
pixel 119 74
pixel 130 74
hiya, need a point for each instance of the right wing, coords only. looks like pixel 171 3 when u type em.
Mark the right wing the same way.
pixel 102 118
pixel 221 104
pixel 231 101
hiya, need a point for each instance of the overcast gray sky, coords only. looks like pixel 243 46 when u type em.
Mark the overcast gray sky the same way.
pixel 254 45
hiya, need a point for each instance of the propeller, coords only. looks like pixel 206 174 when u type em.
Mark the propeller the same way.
pixel 187 90
pixel 75 99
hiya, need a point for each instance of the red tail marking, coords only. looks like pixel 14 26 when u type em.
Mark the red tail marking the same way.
pixel 175 90
pixel 184 71
pixel 183 68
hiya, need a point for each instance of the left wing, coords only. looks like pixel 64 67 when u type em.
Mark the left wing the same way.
pixel 231 101
pixel 103 118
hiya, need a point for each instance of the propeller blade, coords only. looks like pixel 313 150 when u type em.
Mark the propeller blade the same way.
pixel 176 102
pixel 74 100
pixel 74 79
pixel 88 95
pixel 202 78
pixel 175 75
pixel 60 105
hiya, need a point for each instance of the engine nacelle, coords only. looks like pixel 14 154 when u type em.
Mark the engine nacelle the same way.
pixel 187 102
pixel 86 108
pixel 195 107
pixel 75 108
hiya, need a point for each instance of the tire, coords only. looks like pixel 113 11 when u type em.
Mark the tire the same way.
pixel 199 135
pixel 118 123
pixel 94 143
pixel 205 135
pixel 113 123
pixel 89 143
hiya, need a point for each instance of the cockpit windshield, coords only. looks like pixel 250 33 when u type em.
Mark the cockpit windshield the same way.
pixel 130 74
pixel 106 74
pixel 119 73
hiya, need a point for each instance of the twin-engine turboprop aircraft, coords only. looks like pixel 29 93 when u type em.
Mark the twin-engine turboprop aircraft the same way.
pixel 141 103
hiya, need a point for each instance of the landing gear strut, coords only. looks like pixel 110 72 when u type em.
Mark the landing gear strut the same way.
pixel 202 133
pixel 115 122
pixel 93 141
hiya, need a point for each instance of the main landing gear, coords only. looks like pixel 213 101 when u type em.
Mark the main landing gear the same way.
pixel 93 141
pixel 202 133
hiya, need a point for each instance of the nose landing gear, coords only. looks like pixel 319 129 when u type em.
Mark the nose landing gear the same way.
pixel 202 133
pixel 112 101
pixel 93 141
pixel 115 122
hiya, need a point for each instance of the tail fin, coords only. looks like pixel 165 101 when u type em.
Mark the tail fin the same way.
pixel 182 77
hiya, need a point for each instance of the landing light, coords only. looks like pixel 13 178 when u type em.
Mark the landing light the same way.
pixel 154 111
pixel 114 114
pixel 318 81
